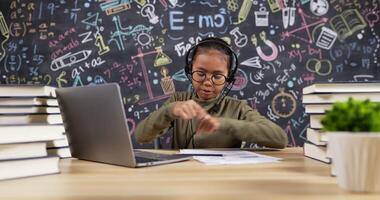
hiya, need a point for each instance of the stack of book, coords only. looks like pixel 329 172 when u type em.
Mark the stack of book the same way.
pixel 59 147
pixel 318 98
pixel 30 121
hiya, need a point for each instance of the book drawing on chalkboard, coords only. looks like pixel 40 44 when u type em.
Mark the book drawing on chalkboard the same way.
pixel 347 23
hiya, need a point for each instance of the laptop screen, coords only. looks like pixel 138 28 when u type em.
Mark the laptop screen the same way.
pixel 95 122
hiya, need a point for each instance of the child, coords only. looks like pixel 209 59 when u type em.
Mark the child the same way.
pixel 206 117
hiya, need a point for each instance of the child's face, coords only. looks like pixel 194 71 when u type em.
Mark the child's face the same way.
pixel 211 62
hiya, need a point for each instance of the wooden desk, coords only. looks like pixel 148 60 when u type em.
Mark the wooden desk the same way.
pixel 296 177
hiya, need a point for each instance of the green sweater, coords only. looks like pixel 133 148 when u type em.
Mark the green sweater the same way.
pixel 239 122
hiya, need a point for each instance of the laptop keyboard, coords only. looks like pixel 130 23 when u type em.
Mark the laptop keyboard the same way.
pixel 144 160
pixel 144 156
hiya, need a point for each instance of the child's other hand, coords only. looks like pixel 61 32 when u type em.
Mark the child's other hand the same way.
pixel 188 110
pixel 208 124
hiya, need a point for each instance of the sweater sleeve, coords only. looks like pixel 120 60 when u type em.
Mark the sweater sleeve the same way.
pixel 155 124
pixel 255 128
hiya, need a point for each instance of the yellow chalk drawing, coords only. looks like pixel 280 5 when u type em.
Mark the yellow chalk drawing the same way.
pixel 4 30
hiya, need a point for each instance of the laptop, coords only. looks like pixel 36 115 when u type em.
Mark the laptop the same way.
pixel 97 129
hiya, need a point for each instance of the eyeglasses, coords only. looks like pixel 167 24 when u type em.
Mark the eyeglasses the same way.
pixel 216 79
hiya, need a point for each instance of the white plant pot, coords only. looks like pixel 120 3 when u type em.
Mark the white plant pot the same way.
pixel 356 158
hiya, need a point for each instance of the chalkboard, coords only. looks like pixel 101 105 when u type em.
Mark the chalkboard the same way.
pixel 282 46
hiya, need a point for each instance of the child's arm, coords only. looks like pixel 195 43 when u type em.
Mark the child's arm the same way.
pixel 255 128
pixel 154 125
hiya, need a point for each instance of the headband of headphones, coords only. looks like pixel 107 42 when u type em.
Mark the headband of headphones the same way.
pixel 203 43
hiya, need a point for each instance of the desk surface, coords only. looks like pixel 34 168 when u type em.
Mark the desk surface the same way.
pixel 296 177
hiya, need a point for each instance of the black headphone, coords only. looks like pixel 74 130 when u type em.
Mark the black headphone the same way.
pixel 203 43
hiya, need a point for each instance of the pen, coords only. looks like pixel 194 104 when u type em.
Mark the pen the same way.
pixel 203 154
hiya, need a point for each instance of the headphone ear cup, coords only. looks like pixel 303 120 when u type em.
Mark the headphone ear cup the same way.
pixel 188 72
pixel 189 58
pixel 187 69
pixel 233 67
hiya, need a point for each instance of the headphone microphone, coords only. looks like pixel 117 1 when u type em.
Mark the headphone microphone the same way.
pixel 215 108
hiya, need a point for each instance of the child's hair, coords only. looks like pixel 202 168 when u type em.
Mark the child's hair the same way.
pixel 213 43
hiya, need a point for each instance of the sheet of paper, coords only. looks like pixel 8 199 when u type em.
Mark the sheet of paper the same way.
pixel 228 157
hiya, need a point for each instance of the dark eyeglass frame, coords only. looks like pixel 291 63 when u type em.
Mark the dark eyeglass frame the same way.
pixel 204 75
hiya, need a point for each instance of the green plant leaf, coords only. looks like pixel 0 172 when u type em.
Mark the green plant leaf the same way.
pixel 353 115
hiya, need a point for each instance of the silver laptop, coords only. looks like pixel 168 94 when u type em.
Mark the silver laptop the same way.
pixel 97 130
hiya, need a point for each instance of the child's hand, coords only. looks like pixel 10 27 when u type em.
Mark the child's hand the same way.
pixel 190 109
pixel 208 124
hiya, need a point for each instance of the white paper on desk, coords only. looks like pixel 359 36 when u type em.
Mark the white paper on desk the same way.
pixel 233 157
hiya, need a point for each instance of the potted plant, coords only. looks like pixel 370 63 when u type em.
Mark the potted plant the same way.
pixel 354 144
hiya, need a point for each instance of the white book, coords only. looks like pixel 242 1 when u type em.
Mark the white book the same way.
pixel 62 152
pixel 62 142
pixel 332 170
pixel 341 88
pixel 30 119
pixel 29 110
pixel 316 152
pixel 317 108
pixel 22 150
pixel 30 133
pixel 332 98
pixel 19 168
pixel 317 137
pixel 27 101
pixel 315 121
pixel 26 90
